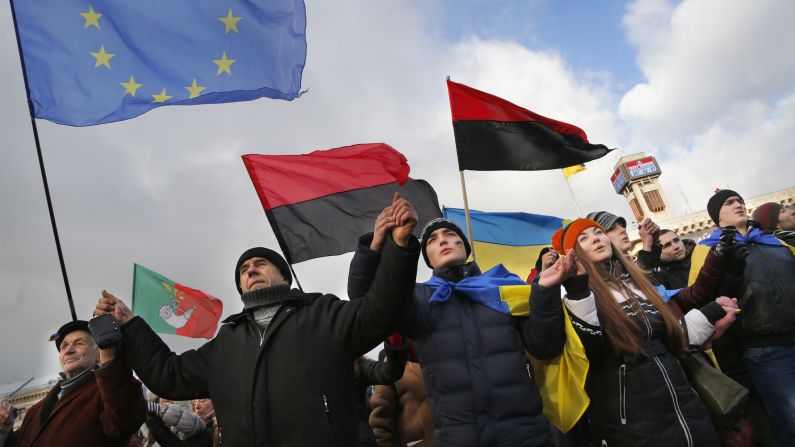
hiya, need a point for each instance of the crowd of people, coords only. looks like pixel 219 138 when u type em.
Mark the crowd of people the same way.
pixel 288 370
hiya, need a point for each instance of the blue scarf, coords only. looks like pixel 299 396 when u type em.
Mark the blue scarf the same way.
pixel 483 289
pixel 755 236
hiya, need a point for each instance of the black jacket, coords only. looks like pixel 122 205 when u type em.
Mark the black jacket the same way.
pixel 674 274
pixel 294 386
pixel 767 297
pixel 480 386
pixel 640 401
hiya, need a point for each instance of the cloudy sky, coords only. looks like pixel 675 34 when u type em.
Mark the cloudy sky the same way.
pixel 707 86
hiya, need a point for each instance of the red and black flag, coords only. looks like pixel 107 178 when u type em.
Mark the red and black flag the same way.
pixel 492 134
pixel 320 203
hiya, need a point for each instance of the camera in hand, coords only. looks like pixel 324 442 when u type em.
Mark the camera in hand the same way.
pixel 105 330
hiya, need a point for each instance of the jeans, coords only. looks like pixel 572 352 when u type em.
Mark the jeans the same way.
pixel 772 371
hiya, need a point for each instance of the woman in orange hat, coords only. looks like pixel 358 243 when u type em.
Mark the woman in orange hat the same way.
pixel 639 394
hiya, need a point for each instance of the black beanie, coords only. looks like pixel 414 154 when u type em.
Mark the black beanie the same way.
pixel 716 202
pixel 434 225
pixel 76 325
pixel 265 253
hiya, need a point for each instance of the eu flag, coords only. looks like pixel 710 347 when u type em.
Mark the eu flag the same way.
pixel 100 61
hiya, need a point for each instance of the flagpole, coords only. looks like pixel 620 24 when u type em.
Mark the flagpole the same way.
pixel 292 270
pixel 43 172
pixel 466 213
pixel 577 205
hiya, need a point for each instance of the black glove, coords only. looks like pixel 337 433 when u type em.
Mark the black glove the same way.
pixel 733 251
pixel 577 286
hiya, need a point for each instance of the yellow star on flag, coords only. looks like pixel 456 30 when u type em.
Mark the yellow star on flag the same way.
pixel 102 57
pixel 224 65
pixel 194 89
pixel 130 86
pixel 230 21
pixel 162 97
pixel 92 18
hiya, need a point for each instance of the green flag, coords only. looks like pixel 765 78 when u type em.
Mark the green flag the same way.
pixel 171 308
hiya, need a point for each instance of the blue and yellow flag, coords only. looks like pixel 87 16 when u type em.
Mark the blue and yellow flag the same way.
pixel 100 61
pixel 511 239
pixel 515 240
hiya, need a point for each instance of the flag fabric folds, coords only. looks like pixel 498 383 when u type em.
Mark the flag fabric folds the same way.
pixel 172 308
pixel 97 62
pixel 571 170
pixel 512 239
pixel 492 134
pixel 319 204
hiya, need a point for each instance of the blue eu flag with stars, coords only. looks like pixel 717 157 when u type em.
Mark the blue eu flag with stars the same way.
pixel 98 61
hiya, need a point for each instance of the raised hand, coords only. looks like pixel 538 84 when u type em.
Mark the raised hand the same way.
pixel 109 304
pixel 649 233
pixel 565 267
pixel 405 220
pixel 383 224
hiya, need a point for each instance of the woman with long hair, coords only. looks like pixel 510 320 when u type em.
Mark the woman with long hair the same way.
pixel 639 393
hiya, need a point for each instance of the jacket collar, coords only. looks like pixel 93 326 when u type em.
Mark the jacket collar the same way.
pixel 294 298
pixel 458 272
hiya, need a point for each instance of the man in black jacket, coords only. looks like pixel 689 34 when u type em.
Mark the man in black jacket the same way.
pixel 764 333
pixel 480 386
pixel 280 372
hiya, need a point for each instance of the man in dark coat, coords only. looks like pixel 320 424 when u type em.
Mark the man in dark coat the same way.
pixel 764 334
pixel 96 403
pixel 471 347
pixel 280 373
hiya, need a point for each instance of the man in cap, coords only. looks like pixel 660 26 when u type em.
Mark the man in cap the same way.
pixel 97 402
pixel 470 340
pixel 615 227
pixel 777 219
pixel 764 333
pixel 280 373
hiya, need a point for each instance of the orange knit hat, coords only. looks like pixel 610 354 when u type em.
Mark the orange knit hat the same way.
pixel 566 237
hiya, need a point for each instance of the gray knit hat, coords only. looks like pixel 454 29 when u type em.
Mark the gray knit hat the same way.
pixel 607 220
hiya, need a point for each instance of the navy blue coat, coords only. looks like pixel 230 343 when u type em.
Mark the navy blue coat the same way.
pixel 480 385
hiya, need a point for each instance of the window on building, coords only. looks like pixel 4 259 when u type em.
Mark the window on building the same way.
pixel 654 200
pixel 636 209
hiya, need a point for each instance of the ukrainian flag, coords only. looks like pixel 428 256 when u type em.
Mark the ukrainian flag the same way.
pixel 515 240
pixel 511 239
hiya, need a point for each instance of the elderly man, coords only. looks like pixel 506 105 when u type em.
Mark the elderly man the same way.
pixel 280 373
pixel 96 403
pixel 764 333
pixel 470 342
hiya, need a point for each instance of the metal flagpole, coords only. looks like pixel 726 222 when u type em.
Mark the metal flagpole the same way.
pixel 43 172
pixel 577 205
pixel 466 213
pixel 295 276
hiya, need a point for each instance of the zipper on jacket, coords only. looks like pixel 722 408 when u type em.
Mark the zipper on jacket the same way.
pixel 328 418
pixel 529 374
pixel 675 400
pixel 622 395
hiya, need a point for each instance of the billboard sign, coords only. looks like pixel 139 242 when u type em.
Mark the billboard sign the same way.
pixel 643 167
pixel 619 180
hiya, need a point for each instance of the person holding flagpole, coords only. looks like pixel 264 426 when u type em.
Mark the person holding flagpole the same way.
pixel 280 372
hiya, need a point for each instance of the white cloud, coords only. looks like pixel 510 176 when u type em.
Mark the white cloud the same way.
pixel 702 59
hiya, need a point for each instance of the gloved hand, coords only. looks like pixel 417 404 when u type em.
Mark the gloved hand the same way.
pixel 156 409
pixel 728 245
pixel 396 340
